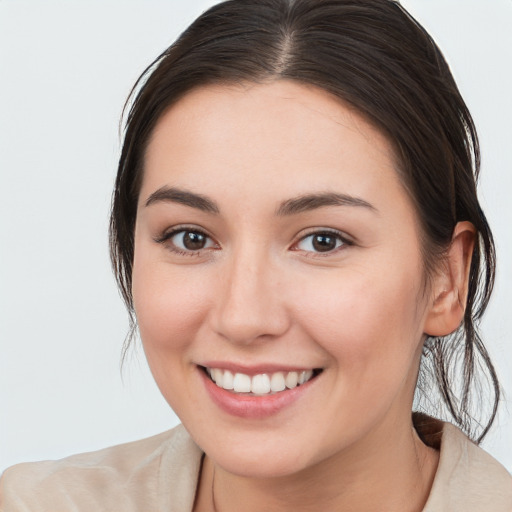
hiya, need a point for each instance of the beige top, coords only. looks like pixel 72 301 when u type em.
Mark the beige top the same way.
pixel 160 474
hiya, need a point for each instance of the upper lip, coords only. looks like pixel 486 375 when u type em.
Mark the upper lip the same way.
pixel 256 369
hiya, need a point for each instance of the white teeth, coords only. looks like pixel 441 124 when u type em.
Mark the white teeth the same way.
pixel 217 376
pixel 292 379
pixel 227 381
pixel 277 382
pixel 305 376
pixel 242 383
pixel 261 384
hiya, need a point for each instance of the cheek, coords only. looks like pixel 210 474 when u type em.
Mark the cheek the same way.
pixel 169 306
pixel 370 330
pixel 169 303
pixel 364 318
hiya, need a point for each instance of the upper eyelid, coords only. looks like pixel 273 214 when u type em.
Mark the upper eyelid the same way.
pixel 346 242
pixel 331 231
pixel 170 232
pixel 165 240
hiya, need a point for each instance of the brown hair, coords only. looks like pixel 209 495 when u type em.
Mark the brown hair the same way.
pixel 375 56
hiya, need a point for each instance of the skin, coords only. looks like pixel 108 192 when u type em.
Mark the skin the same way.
pixel 258 293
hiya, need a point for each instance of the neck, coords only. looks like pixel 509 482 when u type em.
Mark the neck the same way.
pixel 376 475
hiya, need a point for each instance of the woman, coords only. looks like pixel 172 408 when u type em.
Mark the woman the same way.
pixel 295 228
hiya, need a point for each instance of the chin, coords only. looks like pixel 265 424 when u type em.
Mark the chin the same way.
pixel 260 466
pixel 263 454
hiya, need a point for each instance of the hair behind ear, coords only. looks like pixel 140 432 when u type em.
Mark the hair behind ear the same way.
pixel 454 353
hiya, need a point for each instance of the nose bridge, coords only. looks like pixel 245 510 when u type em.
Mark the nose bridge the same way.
pixel 250 305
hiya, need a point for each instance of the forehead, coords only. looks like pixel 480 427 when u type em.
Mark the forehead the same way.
pixel 282 137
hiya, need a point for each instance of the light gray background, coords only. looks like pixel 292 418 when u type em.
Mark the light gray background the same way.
pixel 65 70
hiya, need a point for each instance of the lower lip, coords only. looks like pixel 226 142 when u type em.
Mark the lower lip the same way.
pixel 253 406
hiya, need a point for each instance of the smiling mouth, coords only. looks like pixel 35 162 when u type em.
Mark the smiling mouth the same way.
pixel 260 384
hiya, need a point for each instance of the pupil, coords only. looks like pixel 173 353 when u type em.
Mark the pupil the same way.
pixel 324 243
pixel 194 241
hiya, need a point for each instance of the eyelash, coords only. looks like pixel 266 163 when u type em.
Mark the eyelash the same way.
pixel 339 236
pixel 167 236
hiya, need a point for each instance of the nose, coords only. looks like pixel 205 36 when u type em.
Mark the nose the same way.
pixel 250 306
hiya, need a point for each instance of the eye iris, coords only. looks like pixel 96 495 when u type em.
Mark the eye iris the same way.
pixel 194 241
pixel 324 243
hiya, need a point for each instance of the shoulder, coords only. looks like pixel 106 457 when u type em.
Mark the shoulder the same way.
pixel 124 477
pixel 468 479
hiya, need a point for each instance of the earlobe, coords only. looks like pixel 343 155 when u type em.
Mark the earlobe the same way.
pixel 450 287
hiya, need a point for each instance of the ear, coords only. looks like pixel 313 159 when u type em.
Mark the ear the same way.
pixel 450 286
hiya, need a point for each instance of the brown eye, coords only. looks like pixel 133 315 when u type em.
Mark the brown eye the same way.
pixel 193 241
pixel 321 242
pixel 188 240
pixel 324 243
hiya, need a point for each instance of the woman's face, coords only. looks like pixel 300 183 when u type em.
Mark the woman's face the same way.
pixel 274 243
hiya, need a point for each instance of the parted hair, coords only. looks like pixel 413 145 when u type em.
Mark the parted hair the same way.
pixel 373 55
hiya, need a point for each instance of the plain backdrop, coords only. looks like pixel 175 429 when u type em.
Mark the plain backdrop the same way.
pixel 66 68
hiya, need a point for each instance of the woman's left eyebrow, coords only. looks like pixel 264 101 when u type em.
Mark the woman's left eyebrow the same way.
pixel 309 202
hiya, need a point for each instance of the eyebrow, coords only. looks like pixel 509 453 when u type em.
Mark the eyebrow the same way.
pixel 309 202
pixel 294 206
pixel 176 195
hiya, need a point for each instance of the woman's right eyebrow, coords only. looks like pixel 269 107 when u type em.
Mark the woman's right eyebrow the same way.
pixel 185 197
